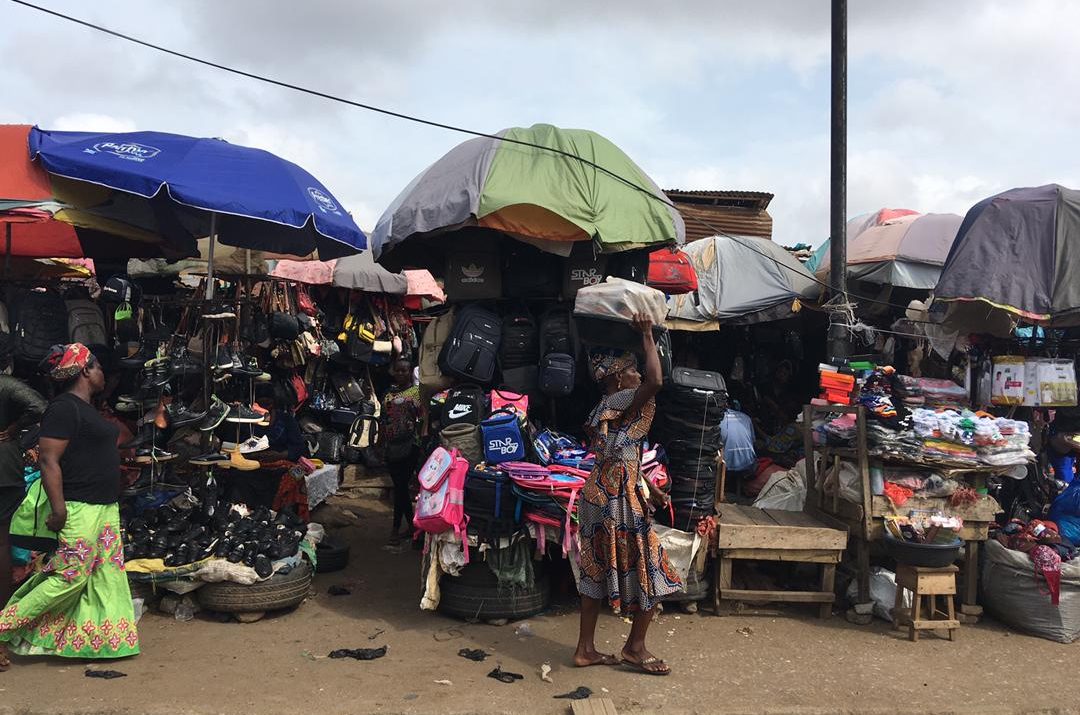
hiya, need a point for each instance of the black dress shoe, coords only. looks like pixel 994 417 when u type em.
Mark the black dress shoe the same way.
pixel 181 415
pixel 263 567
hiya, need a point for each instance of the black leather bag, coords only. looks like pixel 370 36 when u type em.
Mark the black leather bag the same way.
pixel 472 351
pixel 557 374
pixel 330 447
pixel 284 326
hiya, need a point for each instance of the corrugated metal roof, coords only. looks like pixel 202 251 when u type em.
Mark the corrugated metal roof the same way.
pixel 704 221
pixel 743 199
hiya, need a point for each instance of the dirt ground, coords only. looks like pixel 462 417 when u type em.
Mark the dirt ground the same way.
pixel 792 663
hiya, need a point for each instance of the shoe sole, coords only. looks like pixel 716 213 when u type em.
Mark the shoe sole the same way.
pixel 244 420
pixel 151 460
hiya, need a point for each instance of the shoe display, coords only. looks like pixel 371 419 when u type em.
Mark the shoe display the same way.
pixel 242 463
pixel 214 416
pixel 180 415
pixel 219 312
pixel 150 454
pixel 157 374
pixel 144 437
pixel 127 403
pixel 223 359
pixel 254 444
pixel 215 459
pixel 242 414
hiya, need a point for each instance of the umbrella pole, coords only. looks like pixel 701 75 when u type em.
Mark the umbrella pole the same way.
pixel 7 251
pixel 210 257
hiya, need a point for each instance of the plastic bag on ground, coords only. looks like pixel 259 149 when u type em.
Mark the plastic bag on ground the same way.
pixel 882 593
pixel 784 490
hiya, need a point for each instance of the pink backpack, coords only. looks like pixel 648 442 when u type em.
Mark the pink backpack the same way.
pixel 440 506
pixel 506 400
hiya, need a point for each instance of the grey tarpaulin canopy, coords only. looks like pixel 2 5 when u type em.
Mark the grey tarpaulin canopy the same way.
pixel 361 272
pixel 1018 254
pixel 741 279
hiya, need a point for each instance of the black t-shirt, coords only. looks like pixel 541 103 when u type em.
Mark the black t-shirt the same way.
pixel 91 463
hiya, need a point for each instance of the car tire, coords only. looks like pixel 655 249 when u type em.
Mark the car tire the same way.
pixel 473 596
pixel 277 592
pixel 331 555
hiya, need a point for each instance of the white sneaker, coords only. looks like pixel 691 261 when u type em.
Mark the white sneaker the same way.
pixel 254 444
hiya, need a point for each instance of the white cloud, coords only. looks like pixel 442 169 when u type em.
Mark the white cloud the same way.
pixel 90 122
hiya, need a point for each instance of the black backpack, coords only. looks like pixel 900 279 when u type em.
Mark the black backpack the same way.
pixel 520 344
pixel 472 351
pixel 41 322
pixel 490 503
pixel 557 374
pixel 557 333
pixel 528 272
pixel 463 404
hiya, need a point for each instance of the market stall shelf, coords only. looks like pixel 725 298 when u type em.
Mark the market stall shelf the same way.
pixel 866 519
pixel 749 533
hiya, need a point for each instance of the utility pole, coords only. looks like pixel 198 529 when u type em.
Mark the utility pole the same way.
pixel 838 344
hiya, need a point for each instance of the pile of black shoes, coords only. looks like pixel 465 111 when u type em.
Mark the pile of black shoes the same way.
pixel 184 536
pixel 689 411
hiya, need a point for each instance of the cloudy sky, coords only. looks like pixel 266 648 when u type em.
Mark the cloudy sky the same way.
pixel 949 102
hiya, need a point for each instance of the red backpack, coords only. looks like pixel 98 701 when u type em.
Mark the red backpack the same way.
pixel 671 271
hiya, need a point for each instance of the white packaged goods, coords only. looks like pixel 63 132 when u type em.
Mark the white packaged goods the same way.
pixel 1008 385
pixel 1057 383
pixel 619 299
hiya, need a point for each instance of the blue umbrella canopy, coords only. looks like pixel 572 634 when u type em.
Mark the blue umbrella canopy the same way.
pixel 183 187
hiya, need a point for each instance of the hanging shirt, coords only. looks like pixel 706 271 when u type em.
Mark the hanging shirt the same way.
pixel 737 430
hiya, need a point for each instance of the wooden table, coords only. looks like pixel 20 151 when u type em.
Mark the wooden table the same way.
pixel 744 532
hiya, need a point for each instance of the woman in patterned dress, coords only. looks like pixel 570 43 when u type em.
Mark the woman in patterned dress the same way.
pixel 621 557
pixel 79 604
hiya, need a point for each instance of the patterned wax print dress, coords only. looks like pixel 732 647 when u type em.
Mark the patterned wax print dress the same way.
pixel 621 557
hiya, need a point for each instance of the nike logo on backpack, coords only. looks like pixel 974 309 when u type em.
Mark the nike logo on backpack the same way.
pixel 458 411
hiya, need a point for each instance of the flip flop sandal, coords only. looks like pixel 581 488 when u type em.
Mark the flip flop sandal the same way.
pixel 604 659
pixel 643 666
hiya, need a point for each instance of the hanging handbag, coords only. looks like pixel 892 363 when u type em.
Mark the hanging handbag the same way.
pixel 28 529
pixel 282 321
pixel 304 303
pixel 299 388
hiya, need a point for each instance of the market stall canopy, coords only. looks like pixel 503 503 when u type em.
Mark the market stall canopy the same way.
pixel 228 261
pixel 741 280
pixel 1016 253
pixel 309 272
pixel 527 183
pixel 855 226
pixel 33 214
pixel 360 272
pixel 176 185
pixel 905 251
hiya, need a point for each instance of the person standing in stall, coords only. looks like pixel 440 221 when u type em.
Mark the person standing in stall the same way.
pixel 20 407
pixel 79 604
pixel 399 433
pixel 621 557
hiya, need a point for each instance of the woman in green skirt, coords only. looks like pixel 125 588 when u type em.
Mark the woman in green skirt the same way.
pixel 79 604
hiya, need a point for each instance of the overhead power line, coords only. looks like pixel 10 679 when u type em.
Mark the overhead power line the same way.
pixel 439 125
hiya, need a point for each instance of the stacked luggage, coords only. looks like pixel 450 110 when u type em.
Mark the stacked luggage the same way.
pixel 689 411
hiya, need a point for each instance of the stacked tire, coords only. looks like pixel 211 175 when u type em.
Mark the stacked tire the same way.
pixel 689 411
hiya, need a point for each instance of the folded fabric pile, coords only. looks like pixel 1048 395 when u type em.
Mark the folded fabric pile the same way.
pixel 942 393
pixel 907 390
pixel 972 438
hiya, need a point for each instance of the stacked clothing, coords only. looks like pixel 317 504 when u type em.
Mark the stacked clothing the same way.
pixel 942 393
pixel 972 438
pixel 907 390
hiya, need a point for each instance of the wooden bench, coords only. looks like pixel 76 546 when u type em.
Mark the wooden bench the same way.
pixel 748 533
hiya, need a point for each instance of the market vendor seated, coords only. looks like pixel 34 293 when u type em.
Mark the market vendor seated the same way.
pixel 1064 443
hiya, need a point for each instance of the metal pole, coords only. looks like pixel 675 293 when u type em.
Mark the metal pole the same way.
pixel 210 257
pixel 838 345
pixel 7 251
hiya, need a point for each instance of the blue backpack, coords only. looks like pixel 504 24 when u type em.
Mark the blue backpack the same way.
pixel 503 441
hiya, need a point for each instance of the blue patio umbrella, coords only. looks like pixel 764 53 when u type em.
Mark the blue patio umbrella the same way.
pixel 187 188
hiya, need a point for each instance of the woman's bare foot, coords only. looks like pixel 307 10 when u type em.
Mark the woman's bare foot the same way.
pixel 645 662
pixel 5 660
pixel 583 658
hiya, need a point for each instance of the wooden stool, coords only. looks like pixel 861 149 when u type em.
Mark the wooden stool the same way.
pixel 928 583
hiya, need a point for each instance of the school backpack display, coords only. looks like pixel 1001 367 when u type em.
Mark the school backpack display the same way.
pixel 472 350
pixel 86 324
pixel 584 267
pixel 40 323
pixel 557 374
pixel 557 332
pixel 671 271
pixel 440 506
pixel 474 269
pixel 435 336
pixel 528 272
pixel 503 441
pixel 507 400
pixel 490 502
pixel 463 404
pixel 520 344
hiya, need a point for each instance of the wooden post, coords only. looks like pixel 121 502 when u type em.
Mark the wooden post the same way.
pixel 828 585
